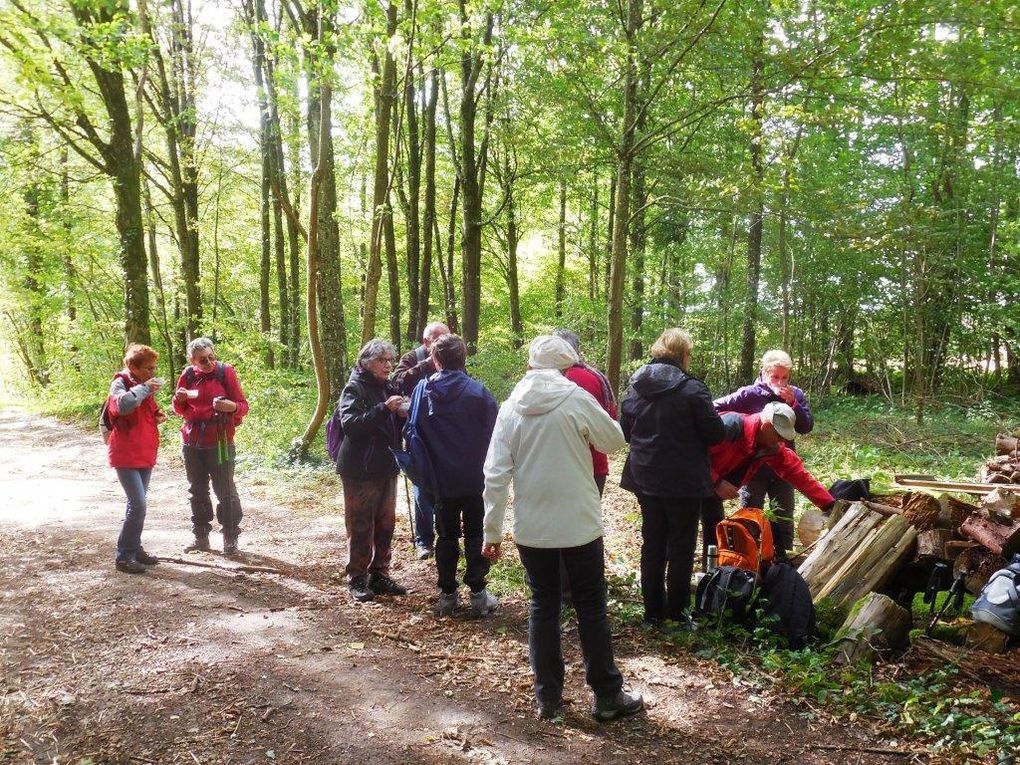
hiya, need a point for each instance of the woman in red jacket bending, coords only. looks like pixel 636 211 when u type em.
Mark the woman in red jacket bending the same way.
pixel 133 445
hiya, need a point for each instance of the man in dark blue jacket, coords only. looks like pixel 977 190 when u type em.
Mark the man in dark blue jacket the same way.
pixel 455 419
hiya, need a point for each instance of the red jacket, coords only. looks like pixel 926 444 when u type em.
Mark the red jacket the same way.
pixel 134 441
pixel 591 381
pixel 202 424
pixel 737 455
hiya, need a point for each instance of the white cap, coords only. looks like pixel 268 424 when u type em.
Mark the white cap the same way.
pixel 782 418
pixel 551 352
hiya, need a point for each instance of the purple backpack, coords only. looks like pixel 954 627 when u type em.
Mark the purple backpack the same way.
pixel 334 435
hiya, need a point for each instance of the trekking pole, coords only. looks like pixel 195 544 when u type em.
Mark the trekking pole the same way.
pixel 410 515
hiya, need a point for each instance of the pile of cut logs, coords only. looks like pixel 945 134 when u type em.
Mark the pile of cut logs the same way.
pixel 877 553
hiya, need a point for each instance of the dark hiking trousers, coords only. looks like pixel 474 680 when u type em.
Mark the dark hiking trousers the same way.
pixel 451 512
pixel 202 467
pixel 586 570
pixel 370 515
pixel 669 534
pixel 766 483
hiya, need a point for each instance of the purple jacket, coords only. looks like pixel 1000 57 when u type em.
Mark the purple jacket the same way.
pixel 752 398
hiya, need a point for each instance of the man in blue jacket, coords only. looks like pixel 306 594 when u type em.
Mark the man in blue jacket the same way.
pixel 455 419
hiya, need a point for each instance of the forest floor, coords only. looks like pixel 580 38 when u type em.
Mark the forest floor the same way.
pixel 189 664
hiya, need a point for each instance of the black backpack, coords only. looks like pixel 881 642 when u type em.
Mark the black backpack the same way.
pixel 851 490
pixel 788 598
pixel 728 592
pixel 190 373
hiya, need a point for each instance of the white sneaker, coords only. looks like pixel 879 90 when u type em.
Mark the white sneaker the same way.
pixel 448 603
pixel 482 603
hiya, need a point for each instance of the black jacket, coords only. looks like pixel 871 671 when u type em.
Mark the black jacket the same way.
pixel 369 428
pixel 669 421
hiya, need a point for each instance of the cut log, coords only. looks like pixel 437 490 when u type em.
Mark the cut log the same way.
pixel 986 638
pixel 882 509
pixel 958 511
pixel 878 624
pixel 931 544
pixel 858 555
pixel 922 510
pixel 1005 444
pixel 854 526
pixel 1001 538
pixel 979 563
pixel 871 565
pixel 1001 505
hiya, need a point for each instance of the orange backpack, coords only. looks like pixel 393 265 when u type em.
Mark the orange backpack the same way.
pixel 745 540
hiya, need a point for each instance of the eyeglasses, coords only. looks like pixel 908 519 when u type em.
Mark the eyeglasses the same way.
pixel 208 359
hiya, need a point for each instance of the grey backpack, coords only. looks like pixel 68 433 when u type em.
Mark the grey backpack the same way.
pixel 999 601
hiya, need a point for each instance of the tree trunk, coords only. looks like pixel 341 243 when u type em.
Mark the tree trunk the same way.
pixel 593 241
pixel 637 248
pixel 747 346
pixel 624 159
pixel 328 283
pixel 512 281
pixel 384 98
pixel 561 260
pixel 392 274
pixel 33 342
pixel 412 212
pixel 471 62
pixel 429 212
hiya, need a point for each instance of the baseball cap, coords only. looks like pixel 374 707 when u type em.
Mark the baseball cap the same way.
pixel 782 418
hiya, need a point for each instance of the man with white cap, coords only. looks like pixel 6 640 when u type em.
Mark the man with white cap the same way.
pixel 541 442
pixel 753 441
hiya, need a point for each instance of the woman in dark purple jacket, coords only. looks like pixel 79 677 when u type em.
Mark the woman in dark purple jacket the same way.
pixel 773 385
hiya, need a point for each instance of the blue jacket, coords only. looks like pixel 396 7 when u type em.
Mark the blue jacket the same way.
pixel 455 419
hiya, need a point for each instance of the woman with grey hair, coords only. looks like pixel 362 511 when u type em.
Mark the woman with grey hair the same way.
pixel 210 399
pixel 370 414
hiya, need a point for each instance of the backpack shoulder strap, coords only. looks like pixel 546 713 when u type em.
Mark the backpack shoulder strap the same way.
pixel 189 376
pixel 221 372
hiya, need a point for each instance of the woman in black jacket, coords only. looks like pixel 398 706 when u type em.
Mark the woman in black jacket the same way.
pixel 668 418
pixel 370 414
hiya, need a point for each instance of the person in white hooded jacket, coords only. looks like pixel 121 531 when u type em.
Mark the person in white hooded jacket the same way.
pixel 541 442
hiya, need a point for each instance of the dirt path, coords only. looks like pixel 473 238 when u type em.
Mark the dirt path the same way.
pixel 197 665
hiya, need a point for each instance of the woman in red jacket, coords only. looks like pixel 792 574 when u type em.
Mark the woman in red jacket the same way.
pixel 210 399
pixel 133 445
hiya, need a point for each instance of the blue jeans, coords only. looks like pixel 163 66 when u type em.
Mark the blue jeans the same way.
pixel 585 567
pixel 136 483
pixel 424 519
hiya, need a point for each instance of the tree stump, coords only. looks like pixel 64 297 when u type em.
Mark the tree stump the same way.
pixel 878 624
pixel 986 638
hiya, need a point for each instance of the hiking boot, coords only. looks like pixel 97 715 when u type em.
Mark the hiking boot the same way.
pixel 145 559
pixel 549 710
pixel 448 602
pixel 383 585
pixel 360 590
pixel 229 544
pixel 424 551
pixel 130 566
pixel 622 704
pixel 201 543
pixel 482 603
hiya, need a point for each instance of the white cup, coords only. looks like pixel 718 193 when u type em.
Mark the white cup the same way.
pixel 192 394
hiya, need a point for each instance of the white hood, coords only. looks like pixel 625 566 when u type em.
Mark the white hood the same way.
pixel 540 391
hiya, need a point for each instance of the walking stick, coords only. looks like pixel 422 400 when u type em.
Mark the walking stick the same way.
pixel 410 515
